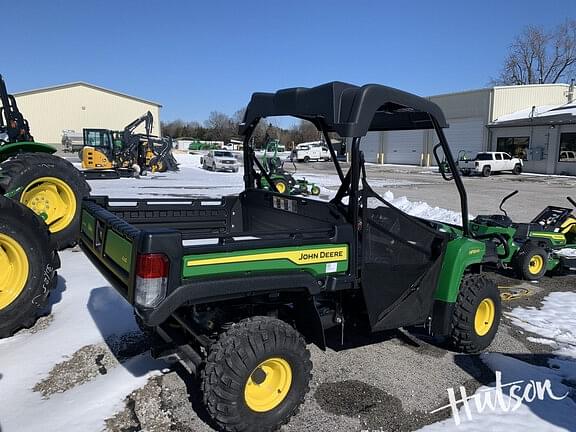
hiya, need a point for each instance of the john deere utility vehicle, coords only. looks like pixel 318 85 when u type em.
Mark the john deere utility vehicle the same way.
pixel 536 247
pixel 236 287
pixel 113 154
pixel 28 263
pixel 29 173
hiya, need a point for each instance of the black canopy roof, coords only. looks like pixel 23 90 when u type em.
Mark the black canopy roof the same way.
pixel 346 109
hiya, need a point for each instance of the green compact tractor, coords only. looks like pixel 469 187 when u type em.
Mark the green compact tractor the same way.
pixel 28 263
pixel 281 179
pixel 236 287
pixel 29 173
pixel 534 248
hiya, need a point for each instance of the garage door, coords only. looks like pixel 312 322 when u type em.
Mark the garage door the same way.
pixel 465 135
pixel 403 147
pixel 370 145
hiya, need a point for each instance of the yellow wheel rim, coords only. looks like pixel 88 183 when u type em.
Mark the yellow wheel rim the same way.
pixel 268 385
pixel 484 317
pixel 14 274
pixel 536 264
pixel 280 187
pixel 53 200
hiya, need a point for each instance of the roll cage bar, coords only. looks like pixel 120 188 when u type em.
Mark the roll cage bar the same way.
pixel 350 111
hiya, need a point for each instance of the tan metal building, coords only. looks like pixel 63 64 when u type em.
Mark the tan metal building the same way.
pixel 468 114
pixel 80 105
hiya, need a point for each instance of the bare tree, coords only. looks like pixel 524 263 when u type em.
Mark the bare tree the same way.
pixel 539 57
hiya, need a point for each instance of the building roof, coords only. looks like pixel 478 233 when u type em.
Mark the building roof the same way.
pixel 85 84
pixel 539 115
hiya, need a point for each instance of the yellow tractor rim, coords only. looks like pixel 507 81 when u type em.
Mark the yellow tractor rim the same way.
pixel 268 385
pixel 484 317
pixel 14 274
pixel 53 200
pixel 536 264
pixel 280 187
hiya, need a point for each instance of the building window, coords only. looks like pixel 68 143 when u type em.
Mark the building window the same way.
pixel 567 147
pixel 515 146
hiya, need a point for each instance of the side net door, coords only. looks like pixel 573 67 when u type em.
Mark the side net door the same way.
pixel 401 262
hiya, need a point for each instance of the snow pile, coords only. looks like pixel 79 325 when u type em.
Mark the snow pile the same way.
pixel 424 210
pixel 555 322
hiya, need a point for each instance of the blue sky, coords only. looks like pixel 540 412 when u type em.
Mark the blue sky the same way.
pixel 197 57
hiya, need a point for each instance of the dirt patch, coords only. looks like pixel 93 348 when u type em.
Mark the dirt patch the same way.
pixel 161 405
pixel 91 361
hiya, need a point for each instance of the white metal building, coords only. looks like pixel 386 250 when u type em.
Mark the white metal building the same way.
pixel 468 114
pixel 80 105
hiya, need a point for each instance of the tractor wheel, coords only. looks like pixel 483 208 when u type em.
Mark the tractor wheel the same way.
pixel 517 169
pixel 476 314
pixel 282 186
pixel 486 171
pixel 315 190
pixel 28 265
pixel 52 187
pixel 256 376
pixel 531 262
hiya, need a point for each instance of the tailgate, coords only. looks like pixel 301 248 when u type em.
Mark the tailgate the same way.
pixel 111 244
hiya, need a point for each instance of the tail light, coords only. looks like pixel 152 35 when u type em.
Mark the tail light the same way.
pixel 151 279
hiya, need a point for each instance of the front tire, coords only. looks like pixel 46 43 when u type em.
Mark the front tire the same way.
pixel 52 187
pixel 476 314
pixel 531 262
pixel 28 263
pixel 256 376
pixel 517 169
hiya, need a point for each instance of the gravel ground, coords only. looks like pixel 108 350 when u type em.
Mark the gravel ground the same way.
pixel 387 383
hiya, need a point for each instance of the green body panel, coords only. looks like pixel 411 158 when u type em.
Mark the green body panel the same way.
pixel 118 249
pixel 8 150
pixel 318 260
pixel 556 239
pixel 460 254
pixel 88 224
pixel 508 233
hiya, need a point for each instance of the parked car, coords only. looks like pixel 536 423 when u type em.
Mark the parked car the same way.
pixel 485 163
pixel 567 156
pixel 306 153
pixel 220 160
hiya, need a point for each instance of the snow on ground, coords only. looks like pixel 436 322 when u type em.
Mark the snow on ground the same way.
pixel 555 323
pixel 85 310
pixel 424 210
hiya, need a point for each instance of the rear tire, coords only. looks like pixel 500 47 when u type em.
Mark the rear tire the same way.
pixel 315 190
pixel 476 314
pixel 531 262
pixel 20 177
pixel 24 243
pixel 252 352
pixel 306 159
pixel 486 171
pixel 517 169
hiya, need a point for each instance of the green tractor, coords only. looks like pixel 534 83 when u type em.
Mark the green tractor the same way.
pixel 28 263
pixel 283 180
pixel 31 174
pixel 534 248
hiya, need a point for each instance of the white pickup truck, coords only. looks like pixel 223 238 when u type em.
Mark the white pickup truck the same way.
pixel 306 153
pixel 485 163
